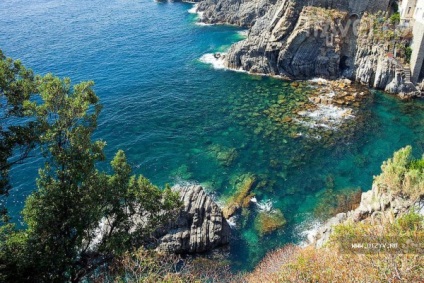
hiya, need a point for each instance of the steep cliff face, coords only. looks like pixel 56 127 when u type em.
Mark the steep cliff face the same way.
pixel 306 39
pixel 242 13
pixel 374 66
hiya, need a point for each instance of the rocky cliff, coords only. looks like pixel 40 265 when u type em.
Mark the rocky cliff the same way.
pixel 307 39
pixel 199 227
pixel 375 204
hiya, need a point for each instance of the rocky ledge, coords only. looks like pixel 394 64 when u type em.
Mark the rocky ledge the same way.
pixel 199 227
pixel 375 204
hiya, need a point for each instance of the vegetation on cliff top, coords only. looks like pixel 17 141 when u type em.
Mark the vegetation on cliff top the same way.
pixel 339 262
pixel 403 175
pixel 330 264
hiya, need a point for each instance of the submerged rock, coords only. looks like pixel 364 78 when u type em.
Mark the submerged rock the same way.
pixel 267 222
pixel 199 227
pixel 242 195
pixel 225 156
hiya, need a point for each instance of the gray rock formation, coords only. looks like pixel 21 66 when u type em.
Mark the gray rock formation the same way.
pixel 199 227
pixel 284 39
pixel 374 204
pixel 242 13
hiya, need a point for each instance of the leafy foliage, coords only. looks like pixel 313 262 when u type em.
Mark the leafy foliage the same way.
pixel 79 218
pixel 18 133
pixel 401 175
pixel 408 53
pixel 395 18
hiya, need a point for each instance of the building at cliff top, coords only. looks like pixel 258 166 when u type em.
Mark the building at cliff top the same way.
pixel 412 14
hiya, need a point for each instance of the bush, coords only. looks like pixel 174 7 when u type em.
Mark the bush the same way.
pixel 395 19
pixel 402 176
pixel 408 54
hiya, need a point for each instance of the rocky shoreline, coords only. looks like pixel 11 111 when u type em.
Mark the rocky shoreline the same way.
pixel 283 42
pixel 376 205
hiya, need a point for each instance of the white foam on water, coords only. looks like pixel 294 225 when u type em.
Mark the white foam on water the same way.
pixel 307 230
pixel 243 33
pixel 330 113
pixel 254 200
pixel 232 222
pixel 200 15
pixel 331 94
pixel 193 10
pixel 217 63
pixel 180 182
pixel 325 116
pixel 203 24
pixel 265 206
pixel 319 80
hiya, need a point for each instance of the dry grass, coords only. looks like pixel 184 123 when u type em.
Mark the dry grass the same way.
pixel 330 264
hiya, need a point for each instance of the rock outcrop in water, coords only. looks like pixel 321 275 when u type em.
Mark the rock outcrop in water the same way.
pixel 307 39
pixel 199 227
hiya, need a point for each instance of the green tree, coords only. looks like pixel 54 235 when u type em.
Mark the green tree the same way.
pixel 18 132
pixel 78 218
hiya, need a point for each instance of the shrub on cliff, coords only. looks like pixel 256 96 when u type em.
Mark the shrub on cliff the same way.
pixel 402 175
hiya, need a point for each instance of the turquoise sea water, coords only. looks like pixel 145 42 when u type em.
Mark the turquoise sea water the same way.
pixel 173 114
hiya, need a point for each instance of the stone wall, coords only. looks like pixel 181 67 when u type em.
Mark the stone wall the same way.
pixel 417 57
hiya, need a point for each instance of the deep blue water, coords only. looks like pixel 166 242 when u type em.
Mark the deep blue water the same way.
pixel 170 112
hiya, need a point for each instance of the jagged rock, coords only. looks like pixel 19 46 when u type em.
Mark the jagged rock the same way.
pixel 199 227
pixel 281 41
pixel 374 202
pixel 234 12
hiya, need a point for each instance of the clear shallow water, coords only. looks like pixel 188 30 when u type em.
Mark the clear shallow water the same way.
pixel 171 113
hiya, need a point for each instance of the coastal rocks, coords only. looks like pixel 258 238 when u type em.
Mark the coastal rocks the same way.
pixel 199 227
pixel 307 39
pixel 287 42
pixel 374 204
pixel 242 13
pixel 334 107
pixel 375 66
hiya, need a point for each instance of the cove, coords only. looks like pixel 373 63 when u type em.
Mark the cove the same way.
pixel 180 120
